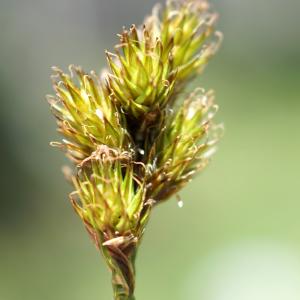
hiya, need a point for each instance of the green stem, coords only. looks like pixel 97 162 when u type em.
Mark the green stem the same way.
pixel 120 288
pixel 121 260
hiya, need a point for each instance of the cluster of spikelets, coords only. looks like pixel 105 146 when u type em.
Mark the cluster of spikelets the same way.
pixel 133 144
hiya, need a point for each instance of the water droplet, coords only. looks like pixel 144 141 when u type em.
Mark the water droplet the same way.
pixel 180 203
pixel 141 151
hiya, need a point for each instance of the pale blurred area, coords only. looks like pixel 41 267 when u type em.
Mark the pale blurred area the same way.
pixel 237 236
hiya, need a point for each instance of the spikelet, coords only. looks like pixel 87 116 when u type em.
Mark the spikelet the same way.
pixel 153 62
pixel 108 197
pixel 86 115
pixel 184 145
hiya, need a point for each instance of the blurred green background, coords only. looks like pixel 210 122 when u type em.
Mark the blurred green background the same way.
pixel 237 236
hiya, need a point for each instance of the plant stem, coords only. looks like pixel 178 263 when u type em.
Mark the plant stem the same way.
pixel 120 288
pixel 121 261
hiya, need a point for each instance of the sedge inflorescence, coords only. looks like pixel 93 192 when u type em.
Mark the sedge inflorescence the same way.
pixel 133 142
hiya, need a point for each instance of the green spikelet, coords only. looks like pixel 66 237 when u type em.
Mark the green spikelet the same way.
pixel 153 62
pixel 184 145
pixel 86 114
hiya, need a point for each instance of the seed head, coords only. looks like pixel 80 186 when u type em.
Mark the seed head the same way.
pixel 133 143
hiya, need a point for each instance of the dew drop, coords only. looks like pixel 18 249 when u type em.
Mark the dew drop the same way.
pixel 141 151
pixel 180 203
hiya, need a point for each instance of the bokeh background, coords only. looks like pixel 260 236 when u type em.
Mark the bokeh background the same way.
pixel 237 236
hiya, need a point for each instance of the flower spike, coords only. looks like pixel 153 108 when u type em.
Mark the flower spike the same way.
pixel 134 144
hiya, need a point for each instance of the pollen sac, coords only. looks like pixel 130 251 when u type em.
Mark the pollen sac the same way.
pixel 184 146
pixel 86 115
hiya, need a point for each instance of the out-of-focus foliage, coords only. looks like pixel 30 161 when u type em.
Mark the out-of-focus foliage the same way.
pixel 248 193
